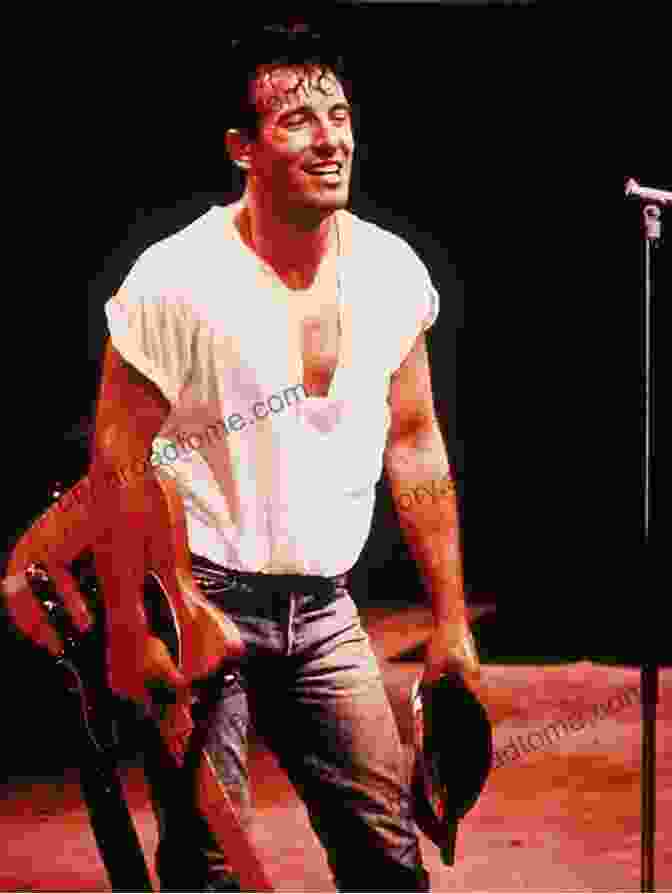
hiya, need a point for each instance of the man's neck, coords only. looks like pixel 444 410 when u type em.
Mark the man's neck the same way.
pixel 293 248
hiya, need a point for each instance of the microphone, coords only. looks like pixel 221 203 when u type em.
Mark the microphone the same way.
pixel 658 196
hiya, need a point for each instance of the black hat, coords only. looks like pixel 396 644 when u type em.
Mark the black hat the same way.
pixel 453 758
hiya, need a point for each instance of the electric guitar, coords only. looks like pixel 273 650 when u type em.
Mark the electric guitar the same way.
pixel 201 641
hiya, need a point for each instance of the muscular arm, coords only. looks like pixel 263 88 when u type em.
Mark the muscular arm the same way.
pixel 418 470
pixel 97 514
pixel 131 523
pixel 130 412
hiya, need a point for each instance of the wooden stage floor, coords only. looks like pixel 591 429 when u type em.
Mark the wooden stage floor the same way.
pixel 560 811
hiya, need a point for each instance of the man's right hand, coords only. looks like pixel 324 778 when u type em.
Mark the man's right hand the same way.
pixel 52 542
pixel 29 616
pixel 137 660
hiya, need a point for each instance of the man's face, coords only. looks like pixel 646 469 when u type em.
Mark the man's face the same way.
pixel 303 152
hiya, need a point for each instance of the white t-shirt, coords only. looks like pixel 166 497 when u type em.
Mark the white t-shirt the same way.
pixel 273 480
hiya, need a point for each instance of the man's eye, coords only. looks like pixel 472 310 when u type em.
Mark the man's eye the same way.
pixel 298 120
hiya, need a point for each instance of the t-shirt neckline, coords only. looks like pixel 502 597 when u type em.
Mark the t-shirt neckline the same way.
pixel 230 215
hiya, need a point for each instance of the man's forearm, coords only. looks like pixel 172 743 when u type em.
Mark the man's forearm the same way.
pixel 119 518
pixel 130 412
pixel 424 497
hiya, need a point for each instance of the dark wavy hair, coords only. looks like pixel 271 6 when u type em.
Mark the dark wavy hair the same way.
pixel 278 45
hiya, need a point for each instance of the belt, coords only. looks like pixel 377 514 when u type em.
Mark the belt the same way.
pixel 247 590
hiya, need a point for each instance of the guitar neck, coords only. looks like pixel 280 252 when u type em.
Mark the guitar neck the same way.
pixel 202 636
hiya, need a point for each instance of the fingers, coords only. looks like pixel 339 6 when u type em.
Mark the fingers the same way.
pixel 72 598
pixel 28 615
pixel 472 662
pixel 158 664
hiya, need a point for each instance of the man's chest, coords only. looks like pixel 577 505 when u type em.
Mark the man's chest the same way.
pixel 263 337
pixel 317 334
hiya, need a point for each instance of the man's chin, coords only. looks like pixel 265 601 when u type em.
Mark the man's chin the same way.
pixel 313 206
pixel 328 201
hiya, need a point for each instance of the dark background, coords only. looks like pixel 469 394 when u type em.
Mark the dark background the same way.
pixel 477 149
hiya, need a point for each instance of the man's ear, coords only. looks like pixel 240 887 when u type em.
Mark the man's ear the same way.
pixel 239 148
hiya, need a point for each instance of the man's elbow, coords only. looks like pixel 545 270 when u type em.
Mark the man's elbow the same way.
pixel 117 445
pixel 131 411
pixel 416 434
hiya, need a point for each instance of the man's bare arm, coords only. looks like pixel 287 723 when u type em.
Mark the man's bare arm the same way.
pixel 130 412
pixel 99 514
pixel 416 462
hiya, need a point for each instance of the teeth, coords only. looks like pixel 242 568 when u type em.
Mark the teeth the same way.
pixel 334 169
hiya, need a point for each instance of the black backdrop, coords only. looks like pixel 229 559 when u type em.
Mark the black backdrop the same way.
pixel 464 143
pixel 446 123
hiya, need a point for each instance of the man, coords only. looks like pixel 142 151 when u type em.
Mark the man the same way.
pixel 283 292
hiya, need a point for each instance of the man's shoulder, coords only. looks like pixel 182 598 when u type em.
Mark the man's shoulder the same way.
pixel 370 241
pixel 191 240
pixel 177 265
pixel 365 230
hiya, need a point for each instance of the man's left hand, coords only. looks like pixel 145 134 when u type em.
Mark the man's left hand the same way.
pixel 451 651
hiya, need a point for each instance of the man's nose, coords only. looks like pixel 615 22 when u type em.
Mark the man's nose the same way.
pixel 330 135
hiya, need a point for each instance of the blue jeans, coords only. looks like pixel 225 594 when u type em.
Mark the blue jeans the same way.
pixel 311 685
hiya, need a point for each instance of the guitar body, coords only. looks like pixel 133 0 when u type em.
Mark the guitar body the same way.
pixel 198 636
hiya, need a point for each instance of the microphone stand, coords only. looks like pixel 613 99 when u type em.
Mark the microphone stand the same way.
pixel 652 200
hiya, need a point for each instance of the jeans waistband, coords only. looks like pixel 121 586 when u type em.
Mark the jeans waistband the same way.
pixel 216 580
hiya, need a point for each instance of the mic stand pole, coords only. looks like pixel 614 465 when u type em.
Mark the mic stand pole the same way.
pixel 649 670
pixel 651 230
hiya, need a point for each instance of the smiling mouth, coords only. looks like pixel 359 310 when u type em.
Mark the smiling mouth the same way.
pixel 326 171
